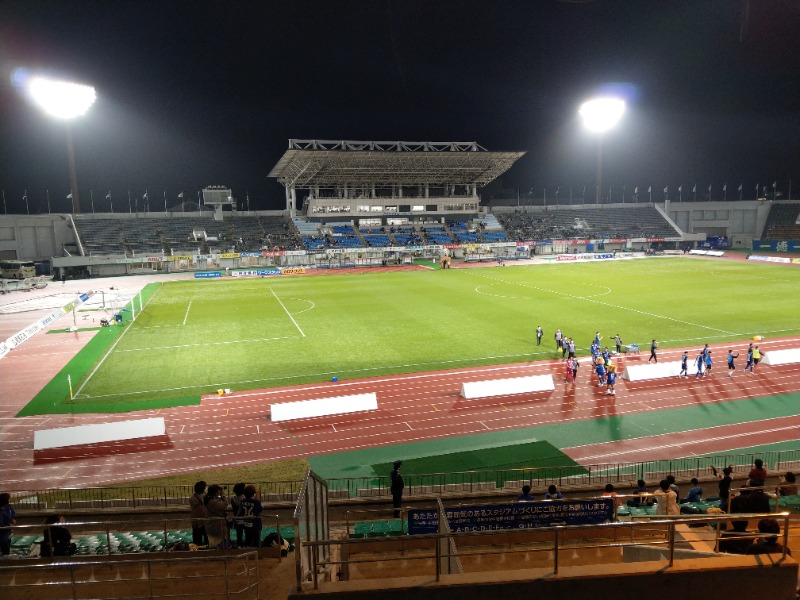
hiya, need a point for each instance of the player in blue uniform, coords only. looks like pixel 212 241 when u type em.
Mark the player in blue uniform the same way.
pixel 748 367
pixel 684 365
pixel 600 369
pixel 731 364
pixel 701 366
pixel 611 379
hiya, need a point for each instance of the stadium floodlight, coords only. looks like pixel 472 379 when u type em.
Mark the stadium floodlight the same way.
pixel 61 99
pixel 600 115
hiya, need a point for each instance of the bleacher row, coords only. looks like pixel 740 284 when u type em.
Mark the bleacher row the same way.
pixel 346 236
pixel 154 234
pixel 586 223
pixel 782 223
pixel 130 542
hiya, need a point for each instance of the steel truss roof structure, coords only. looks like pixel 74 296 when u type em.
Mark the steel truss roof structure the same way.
pixel 326 163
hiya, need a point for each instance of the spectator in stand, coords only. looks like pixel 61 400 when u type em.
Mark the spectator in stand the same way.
pixel 673 486
pixel 57 538
pixel 666 499
pixel 736 541
pixel 216 510
pixel 787 485
pixel 641 488
pixel 8 517
pixel 198 512
pixel 725 481
pixel 611 493
pixel 768 543
pixel 250 510
pixel 526 495
pixel 552 493
pixel 695 493
pixel 397 486
pixel 236 502
pixel 758 474
pixel 757 500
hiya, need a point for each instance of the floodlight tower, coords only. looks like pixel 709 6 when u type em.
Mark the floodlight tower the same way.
pixel 63 100
pixel 600 115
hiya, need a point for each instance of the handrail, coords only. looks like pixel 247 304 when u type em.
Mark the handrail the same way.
pixel 556 546
pixel 469 481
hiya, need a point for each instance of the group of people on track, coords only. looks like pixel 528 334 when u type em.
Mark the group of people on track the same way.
pixel 606 371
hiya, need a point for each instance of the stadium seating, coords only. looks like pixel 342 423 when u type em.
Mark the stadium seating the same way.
pixel 782 223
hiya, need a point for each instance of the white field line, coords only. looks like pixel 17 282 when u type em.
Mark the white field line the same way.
pixel 590 299
pixel 287 312
pixel 111 349
pixel 206 344
pixel 186 316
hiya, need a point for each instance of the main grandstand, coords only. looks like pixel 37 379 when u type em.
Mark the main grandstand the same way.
pixel 367 207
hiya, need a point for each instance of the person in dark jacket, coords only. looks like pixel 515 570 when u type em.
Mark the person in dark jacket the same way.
pixel 397 488
pixel 57 538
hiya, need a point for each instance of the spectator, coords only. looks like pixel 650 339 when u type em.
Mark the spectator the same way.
pixel 8 517
pixel 57 538
pixel 666 499
pixel 757 500
pixel 611 493
pixel 725 481
pixel 758 474
pixel 695 493
pixel 216 512
pixel 787 485
pixel 249 512
pixel 198 512
pixel 736 541
pixel 673 486
pixel 552 493
pixel 768 543
pixel 397 487
pixel 236 501
pixel 526 495
pixel 641 488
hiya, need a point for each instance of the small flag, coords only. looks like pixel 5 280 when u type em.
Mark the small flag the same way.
pixel 694 189
pixel 636 190
pixel 709 187
pixel 774 184
pixel 108 195
pixel 180 195
pixel 740 187
pixel 680 188
pixel 145 196
pixel 725 188
pixel 666 189
pixel 69 195
pixel 649 189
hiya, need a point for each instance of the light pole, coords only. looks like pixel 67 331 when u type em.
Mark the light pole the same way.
pixel 63 100
pixel 599 115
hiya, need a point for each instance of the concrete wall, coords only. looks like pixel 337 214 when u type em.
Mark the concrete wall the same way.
pixel 35 237
pixel 719 578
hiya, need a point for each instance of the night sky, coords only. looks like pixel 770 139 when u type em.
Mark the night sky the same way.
pixel 200 93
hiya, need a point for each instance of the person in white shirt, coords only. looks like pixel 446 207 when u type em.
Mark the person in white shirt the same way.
pixel 666 499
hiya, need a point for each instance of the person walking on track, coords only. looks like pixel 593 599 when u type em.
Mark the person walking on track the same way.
pixel 653 346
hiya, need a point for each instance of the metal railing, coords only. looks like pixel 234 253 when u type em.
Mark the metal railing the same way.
pixel 646 532
pixel 212 577
pixel 457 482
pixel 114 538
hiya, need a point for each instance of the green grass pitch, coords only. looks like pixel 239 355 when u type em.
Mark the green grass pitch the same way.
pixel 194 337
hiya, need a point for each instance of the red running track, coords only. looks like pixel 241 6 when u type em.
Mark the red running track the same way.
pixel 236 429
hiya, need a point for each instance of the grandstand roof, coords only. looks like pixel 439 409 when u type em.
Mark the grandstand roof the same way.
pixel 326 163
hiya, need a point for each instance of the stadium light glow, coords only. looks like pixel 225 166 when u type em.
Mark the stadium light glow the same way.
pixel 601 114
pixel 61 99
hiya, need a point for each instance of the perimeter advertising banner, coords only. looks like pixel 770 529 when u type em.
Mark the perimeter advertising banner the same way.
pixel 776 246
pixel 521 515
